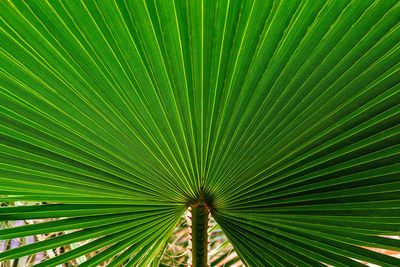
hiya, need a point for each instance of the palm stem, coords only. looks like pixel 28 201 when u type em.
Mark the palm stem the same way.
pixel 199 235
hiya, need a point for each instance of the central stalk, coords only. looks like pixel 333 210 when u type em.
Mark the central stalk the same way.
pixel 199 220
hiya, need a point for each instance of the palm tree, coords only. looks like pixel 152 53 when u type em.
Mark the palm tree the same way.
pixel 280 119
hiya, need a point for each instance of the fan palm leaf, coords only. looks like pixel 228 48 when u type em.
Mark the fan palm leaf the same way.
pixel 280 117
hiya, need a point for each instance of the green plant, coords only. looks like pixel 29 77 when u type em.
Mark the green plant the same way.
pixel 279 117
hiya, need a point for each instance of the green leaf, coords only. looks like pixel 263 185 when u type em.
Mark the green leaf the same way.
pixel 282 116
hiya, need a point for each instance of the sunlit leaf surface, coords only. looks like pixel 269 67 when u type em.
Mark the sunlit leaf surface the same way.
pixel 115 114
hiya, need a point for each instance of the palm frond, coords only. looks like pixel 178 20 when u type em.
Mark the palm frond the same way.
pixel 116 115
